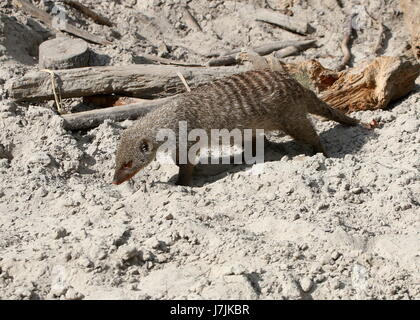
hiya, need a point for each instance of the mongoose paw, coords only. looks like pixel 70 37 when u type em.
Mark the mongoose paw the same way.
pixel 371 125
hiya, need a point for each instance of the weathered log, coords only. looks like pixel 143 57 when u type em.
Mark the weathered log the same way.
pixel 142 81
pixel 411 10
pixel 90 119
pixel 64 53
pixel 283 21
pixel 52 24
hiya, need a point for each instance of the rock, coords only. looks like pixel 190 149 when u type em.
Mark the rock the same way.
pixel 128 252
pixel 40 158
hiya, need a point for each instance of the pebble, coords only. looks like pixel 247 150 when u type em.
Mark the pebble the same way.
pixel 60 233
pixel 85 262
pixel 72 294
pixel 306 284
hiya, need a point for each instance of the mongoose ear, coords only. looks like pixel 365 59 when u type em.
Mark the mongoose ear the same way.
pixel 146 146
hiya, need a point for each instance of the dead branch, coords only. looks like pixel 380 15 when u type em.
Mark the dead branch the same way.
pixel 345 44
pixel 54 25
pixel 283 21
pixel 190 20
pixel 99 19
pixel 286 52
pixel 231 57
pixel 143 81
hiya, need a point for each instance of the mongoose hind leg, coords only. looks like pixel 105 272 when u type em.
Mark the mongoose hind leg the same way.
pixel 301 129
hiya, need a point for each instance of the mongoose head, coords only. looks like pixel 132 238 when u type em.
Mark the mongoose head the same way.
pixel 133 154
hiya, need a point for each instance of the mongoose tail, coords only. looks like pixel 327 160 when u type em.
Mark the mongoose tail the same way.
pixel 322 109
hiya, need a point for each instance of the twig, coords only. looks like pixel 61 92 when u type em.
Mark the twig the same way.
pixel 99 19
pixel 345 44
pixel 382 31
pixel 184 81
pixel 190 20
pixel 381 39
pixel 51 22
pixel 57 97
pixel 168 61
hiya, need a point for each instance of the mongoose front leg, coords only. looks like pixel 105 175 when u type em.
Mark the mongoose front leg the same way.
pixel 185 174
pixel 301 129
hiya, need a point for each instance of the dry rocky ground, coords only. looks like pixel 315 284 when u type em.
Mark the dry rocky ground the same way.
pixel 307 227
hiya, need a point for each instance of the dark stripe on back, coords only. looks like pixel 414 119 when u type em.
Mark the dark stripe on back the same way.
pixel 236 92
pixel 256 78
pixel 270 82
pixel 222 89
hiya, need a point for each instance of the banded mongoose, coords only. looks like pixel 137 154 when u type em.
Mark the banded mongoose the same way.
pixel 259 99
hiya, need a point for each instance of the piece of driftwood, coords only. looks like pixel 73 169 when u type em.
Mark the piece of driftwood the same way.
pixel 53 24
pixel 142 81
pixel 283 21
pixel 190 20
pixel 232 57
pixel 99 19
pixel 345 44
pixel 411 10
pixel 369 86
pixel 90 119
pixel 63 53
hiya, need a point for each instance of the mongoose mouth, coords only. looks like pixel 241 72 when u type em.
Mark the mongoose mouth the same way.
pixel 117 181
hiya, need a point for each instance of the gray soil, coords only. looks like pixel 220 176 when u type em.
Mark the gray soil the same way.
pixel 306 227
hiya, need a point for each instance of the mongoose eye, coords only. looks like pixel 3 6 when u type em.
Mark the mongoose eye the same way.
pixel 127 165
pixel 144 147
